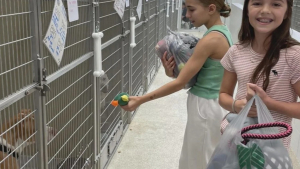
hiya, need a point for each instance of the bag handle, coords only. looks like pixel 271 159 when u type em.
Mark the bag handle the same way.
pixel 247 136
pixel 263 114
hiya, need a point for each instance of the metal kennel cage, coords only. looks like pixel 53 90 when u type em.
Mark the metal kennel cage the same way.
pixel 62 113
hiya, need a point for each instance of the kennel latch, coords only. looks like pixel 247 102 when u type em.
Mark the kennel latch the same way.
pixel 42 88
pixel 95 4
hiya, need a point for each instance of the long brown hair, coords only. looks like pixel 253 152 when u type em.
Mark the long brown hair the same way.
pixel 280 39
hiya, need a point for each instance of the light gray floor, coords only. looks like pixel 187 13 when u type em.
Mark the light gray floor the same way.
pixel 155 136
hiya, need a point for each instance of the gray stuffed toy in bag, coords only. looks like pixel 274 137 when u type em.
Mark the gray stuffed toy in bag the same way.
pixel 181 46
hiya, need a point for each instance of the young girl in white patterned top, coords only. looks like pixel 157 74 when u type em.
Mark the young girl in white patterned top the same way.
pixel 267 60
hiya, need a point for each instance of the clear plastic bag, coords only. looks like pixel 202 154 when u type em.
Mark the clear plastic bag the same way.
pixel 226 155
pixel 181 46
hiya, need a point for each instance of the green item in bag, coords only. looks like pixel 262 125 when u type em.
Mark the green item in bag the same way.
pixel 252 156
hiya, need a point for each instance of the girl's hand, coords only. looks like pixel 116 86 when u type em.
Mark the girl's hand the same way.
pixel 250 92
pixel 168 64
pixel 252 89
pixel 259 91
pixel 240 104
pixel 134 102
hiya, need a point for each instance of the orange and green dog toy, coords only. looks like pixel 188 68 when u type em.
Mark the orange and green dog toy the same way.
pixel 121 99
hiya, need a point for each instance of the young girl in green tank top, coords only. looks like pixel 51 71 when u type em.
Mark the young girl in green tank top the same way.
pixel 202 132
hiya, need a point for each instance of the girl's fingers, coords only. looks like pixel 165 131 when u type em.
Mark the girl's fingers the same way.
pixel 164 58
pixel 165 54
pixel 125 108
pixel 172 63
pixel 250 92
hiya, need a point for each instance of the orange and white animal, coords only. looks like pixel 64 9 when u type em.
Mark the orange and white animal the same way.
pixel 16 134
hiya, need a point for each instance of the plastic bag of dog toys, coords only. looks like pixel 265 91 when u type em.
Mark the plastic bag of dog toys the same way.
pixel 181 46
pixel 253 143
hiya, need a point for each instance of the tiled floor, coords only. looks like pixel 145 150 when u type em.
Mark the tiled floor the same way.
pixel 155 136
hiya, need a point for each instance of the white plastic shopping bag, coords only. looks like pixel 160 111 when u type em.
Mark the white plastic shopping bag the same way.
pixel 181 46
pixel 231 153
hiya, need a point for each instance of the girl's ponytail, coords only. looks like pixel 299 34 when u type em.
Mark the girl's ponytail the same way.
pixel 221 6
pixel 225 11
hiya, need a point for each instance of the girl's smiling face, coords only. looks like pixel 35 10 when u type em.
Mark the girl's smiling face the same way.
pixel 266 15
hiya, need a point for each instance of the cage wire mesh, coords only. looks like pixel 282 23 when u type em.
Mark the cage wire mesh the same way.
pixel 126 73
pixel 137 60
pixel 69 104
pixel 152 42
pixel 78 41
pixel 16 61
pixel 145 42
pixel 112 65
pixel 110 22
pixel 112 26
pixel 161 19
pixel 69 110
pixel 18 134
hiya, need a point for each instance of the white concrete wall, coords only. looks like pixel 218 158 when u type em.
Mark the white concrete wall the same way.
pixel 234 23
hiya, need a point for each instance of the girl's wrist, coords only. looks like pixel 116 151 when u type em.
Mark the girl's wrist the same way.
pixel 144 98
pixel 239 105
pixel 141 99
pixel 233 106
pixel 269 102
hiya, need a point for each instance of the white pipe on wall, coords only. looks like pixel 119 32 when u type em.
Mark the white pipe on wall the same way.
pixel 168 3
pixel 132 30
pixel 173 6
pixel 98 54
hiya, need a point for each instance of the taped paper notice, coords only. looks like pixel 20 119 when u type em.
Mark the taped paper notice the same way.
pixel 119 6
pixel 56 35
pixel 73 10
pixel 139 9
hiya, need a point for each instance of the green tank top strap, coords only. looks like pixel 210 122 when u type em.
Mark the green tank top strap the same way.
pixel 222 29
pixel 210 75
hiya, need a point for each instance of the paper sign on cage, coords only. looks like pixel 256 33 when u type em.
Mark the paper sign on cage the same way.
pixel 73 10
pixel 119 6
pixel 56 35
pixel 139 9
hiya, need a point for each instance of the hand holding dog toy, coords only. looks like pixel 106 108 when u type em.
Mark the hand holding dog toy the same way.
pixel 121 99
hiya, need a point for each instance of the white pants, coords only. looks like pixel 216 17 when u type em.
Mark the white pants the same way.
pixel 202 133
